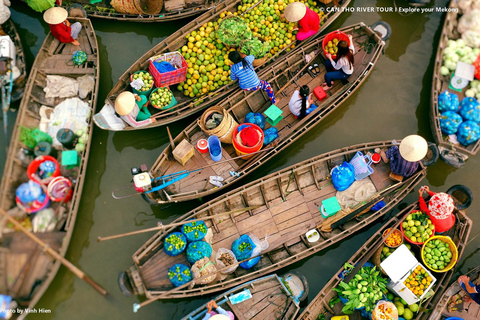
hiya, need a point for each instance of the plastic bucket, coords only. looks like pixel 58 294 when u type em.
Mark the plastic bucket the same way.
pixel 59 188
pixel 171 104
pixel 67 138
pixel 32 205
pixel 376 158
pixel 214 142
pixel 334 35
pixel 408 240
pixel 35 164
pixel 243 150
pixel 202 146
pixel 453 249
pixel 143 93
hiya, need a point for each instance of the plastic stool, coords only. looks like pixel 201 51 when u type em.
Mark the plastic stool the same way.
pixel 274 115
pixel 319 93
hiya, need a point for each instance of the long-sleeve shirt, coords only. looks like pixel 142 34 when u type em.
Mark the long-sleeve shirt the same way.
pixel 398 165
pixel 132 116
pixel 247 77
pixel 309 22
pixel 343 62
pixel 220 310
pixel 62 32
pixel 441 225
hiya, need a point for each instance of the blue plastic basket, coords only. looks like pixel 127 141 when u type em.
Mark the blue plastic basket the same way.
pixel 362 164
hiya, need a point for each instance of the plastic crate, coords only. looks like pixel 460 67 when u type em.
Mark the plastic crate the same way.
pixel 362 168
pixel 172 77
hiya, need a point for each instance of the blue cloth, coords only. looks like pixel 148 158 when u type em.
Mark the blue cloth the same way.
pixel 334 75
pixel 163 66
pixel 247 77
pixel 400 166
pixel 220 310
pixel 475 296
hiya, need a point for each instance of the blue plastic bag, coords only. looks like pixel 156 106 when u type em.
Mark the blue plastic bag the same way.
pixel 379 205
pixel 175 243
pixel 269 135
pixel 449 122
pixel 195 231
pixel 179 274
pixel 343 176
pixel 255 118
pixel 243 247
pixel 163 66
pixel 198 250
pixel 468 132
pixel 470 109
pixel 447 102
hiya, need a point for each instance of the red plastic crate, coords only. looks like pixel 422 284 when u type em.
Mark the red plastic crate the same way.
pixel 168 78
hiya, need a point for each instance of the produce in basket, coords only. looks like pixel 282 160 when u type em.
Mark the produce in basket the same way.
pixel 175 243
pixel 437 254
pixel 386 251
pixel 198 250
pixel 394 240
pixel 449 122
pixel 418 281
pixel 233 30
pixel 179 274
pixel 204 267
pixel 417 227
pixel 146 78
pixel 194 231
pixel 255 47
pixel 405 310
pixel 161 97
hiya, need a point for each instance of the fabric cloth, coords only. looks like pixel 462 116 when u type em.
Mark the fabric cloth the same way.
pixel 400 166
pixel 335 74
pixel 4 11
pixel 62 87
pixel 131 118
pixel 220 310
pixel 249 136
pixel 308 25
pixel 76 28
pixel 343 63
pixel 265 86
pixel 475 296
pixel 440 211
pixel 62 32
pixel 295 104
pixel 247 77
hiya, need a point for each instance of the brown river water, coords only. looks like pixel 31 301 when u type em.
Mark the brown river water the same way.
pixel 392 103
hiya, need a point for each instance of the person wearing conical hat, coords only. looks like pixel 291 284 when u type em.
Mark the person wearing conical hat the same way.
pixel 404 159
pixel 308 20
pixel 132 109
pixel 440 209
pixel 221 314
pixel 60 27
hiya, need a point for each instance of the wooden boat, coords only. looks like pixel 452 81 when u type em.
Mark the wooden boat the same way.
pixel 459 234
pixel 454 155
pixel 27 271
pixel 282 206
pixel 468 311
pixel 19 84
pixel 285 78
pixel 188 106
pixel 270 299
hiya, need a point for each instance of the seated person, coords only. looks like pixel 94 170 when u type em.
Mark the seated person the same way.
pixel 132 109
pixel 404 159
pixel 221 314
pixel 60 27
pixel 440 209
pixel 301 103
pixel 308 20
pixel 472 290
pixel 342 67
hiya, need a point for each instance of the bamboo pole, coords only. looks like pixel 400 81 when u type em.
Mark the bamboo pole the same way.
pixel 172 144
pixel 76 271
pixel 161 226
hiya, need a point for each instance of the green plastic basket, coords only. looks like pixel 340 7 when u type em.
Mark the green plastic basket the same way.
pixel 143 93
pixel 170 105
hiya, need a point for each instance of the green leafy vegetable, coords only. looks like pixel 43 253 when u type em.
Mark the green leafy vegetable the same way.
pixel 255 47
pixel 233 30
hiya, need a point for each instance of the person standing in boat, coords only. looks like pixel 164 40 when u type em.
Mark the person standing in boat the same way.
pixel 221 314
pixel 242 69
pixel 301 103
pixel 405 159
pixel 60 27
pixel 132 109
pixel 472 290
pixel 342 67
pixel 440 209
pixel 308 20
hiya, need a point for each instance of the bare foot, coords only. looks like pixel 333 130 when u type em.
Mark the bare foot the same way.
pixel 325 87
pixel 467 299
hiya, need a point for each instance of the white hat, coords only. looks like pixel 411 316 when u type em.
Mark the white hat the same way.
pixel 295 11
pixel 55 15
pixel 124 103
pixel 413 148
pixel 219 317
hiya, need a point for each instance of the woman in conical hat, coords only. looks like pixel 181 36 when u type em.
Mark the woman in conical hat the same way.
pixel 308 20
pixel 221 314
pixel 440 209
pixel 132 109
pixel 60 27
pixel 404 159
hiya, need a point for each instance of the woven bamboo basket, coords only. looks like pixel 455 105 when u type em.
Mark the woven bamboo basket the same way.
pixel 224 131
pixel 125 6
pixel 259 62
pixel 376 259
pixel 149 6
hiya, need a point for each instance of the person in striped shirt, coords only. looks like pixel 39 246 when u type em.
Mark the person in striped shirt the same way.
pixel 242 69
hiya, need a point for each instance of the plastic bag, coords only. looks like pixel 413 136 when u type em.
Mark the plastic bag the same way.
pixel 259 247
pixel 222 256
pixel 469 21
pixel 175 243
pixel 204 267
pixel 194 231
pixel 198 250
pixel 179 274
pixel 470 109
pixel 86 84
pixel 79 57
pixel 243 247
pixel 255 118
pixel 468 132
pixel 385 310
pixel 44 221
pixel 359 191
pixel 269 135
pixel 40 136
pixel 449 122
pixel 447 102
pixel 343 176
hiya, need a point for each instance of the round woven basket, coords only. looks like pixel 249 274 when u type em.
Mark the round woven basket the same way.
pixel 224 131
pixel 260 61
pixel 376 259
pixel 149 6
pixel 125 6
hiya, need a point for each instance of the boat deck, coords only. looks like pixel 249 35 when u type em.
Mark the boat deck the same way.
pixel 471 310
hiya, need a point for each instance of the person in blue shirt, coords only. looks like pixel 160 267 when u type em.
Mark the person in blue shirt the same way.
pixel 242 69
pixel 471 289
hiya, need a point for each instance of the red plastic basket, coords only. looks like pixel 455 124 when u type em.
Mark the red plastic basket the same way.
pixel 168 78
pixel 332 35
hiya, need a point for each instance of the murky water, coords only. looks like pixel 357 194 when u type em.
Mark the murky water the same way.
pixel 392 103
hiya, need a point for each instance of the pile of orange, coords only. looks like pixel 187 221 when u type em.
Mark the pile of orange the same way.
pixel 395 239
pixel 418 281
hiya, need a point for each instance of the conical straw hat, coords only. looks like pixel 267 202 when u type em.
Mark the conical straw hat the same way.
pixel 55 15
pixel 295 11
pixel 124 103
pixel 219 317
pixel 413 148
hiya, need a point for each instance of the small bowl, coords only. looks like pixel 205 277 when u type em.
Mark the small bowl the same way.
pixel 396 231
pixel 312 235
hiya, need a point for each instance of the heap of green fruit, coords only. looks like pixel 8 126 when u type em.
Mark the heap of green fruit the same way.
pixel 386 251
pixel 146 78
pixel 161 97
pixel 437 254
pixel 417 227
pixel 82 135
pixel 404 310
pixel 331 46
pixel 207 57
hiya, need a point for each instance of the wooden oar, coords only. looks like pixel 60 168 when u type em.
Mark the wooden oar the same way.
pixel 161 226
pixel 76 271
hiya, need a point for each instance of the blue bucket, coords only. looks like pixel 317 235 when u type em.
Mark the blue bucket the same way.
pixel 215 148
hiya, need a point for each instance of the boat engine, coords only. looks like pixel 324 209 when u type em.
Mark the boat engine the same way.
pixel 141 178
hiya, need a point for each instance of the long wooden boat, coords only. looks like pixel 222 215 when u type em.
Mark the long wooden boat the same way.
pixel 459 234
pixel 452 154
pixel 282 206
pixel 26 271
pixel 471 311
pixel 188 106
pixel 285 78
pixel 19 84
pixel 270 300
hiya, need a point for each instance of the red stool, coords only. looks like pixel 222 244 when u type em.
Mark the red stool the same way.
pixel 319 93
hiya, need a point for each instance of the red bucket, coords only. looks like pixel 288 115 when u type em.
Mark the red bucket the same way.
pixel 33 167
pixel 60 188
pixel 202 146
pixel 244 150
pixel 334 35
